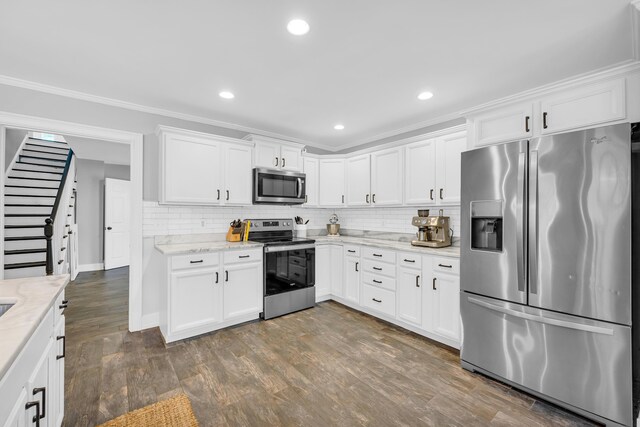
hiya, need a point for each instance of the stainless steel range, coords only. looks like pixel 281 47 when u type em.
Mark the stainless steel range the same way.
pixel 289 267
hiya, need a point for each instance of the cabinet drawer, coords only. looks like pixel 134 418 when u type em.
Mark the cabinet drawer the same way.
pixel 247 255
pixel 195 260
pixel 379 281
pixel 384 255
pixel 379 268
pixel 446 265
pixel 409 260
pixel 378 299
pixel 351 250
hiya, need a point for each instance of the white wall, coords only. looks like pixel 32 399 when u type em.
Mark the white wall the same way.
pixel 13 140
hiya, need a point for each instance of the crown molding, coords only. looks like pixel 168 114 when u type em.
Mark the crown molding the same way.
pixel 617 70
pixel 83 96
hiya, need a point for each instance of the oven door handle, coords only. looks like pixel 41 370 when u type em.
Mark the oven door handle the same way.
pixel 270 249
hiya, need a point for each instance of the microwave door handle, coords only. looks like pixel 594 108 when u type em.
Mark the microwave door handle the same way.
pixel 520 221
pixel 299 186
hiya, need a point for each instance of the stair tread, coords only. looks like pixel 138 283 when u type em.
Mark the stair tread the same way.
pixel 47 146
pixel 43 158
pixel 24 226
pixel 25 251
pixel 25 265
pixel 31 150
pixel 47 140
pixel 18 238
pixel 27 205
pixel 40 164
pixel 18 215
pixel 29 195
pixel 37 179
pixel 29 170
pixel 28 186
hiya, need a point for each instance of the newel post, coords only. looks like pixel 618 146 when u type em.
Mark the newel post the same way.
pixel 48 234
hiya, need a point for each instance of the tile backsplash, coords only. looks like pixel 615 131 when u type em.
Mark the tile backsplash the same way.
pixel 161 220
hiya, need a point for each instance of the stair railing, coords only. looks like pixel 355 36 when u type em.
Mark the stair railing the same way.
pixel 55 225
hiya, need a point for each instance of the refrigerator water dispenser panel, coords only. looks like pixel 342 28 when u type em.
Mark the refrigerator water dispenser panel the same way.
pixel 486 225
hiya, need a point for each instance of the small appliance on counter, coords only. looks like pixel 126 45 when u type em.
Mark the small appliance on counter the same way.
pixel 238 231
pixel 433 231
pixel 333 228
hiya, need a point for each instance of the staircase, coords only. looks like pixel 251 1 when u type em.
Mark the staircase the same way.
pixel 40 185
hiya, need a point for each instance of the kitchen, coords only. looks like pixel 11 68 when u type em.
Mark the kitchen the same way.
pixel 190 288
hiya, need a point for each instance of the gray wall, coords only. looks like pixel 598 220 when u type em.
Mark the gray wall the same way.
pixel 90 207
pixel 12 142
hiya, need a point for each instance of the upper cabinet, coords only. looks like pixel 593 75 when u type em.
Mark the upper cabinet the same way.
pixel 449 149
pixel 313 182
pixel 386 177
pixel 420 176
pixel 332 186
pixel 275 154
pixel 358 171
pixel 560 109
pixel 202 169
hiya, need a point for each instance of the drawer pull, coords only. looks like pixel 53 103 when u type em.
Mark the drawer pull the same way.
pixel 244 256
pixel 36 418
pixel 217 277
pixel 197 262
pixel 445 265
pixel 376 300
pixel 417 281
pixel 378 255
pixel 351 250
pixel 64 346
pixel 226 275
pixel 357 266
pixel 377 281
pixel 409 260
pixel 42 390
pixel 434 284
pixel 377 268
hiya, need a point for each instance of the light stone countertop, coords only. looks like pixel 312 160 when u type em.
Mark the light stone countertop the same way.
pixel 449 251
pixel 33 296
pixel 207 246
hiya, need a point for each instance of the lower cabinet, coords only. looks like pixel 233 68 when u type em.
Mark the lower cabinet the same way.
pixel 337 284
pixel 352 268
pixel 208 291
pixel 323 274
pixel 445 305
pixel 409 295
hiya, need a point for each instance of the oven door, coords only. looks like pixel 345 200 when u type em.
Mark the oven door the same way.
pixel 289 268
pixel 278 187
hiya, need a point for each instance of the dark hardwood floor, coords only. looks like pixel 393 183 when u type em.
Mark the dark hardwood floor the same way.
pixel 327 366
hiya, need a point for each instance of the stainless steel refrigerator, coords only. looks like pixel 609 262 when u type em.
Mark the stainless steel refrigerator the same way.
pixel 547 268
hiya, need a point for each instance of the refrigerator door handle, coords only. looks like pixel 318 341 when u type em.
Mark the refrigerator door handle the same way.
pixel 539 319
pixel 533 222
pixel 520 222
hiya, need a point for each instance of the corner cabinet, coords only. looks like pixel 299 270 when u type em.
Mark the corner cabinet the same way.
pixel 313 184
pixel 203 169
pixel 276 154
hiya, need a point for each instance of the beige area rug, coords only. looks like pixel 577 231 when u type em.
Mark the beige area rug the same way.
pixel 174 412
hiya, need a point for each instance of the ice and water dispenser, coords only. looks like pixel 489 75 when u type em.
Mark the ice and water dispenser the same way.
pixel 486 225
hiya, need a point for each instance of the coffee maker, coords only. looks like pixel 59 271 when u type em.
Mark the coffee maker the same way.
pixel 433 231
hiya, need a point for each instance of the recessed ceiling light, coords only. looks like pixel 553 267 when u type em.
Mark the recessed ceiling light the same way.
pixel 338 127
pixel 425 95
pixel 226 94
pixel 298 27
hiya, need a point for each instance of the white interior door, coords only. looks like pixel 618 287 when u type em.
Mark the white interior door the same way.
pixel 116 223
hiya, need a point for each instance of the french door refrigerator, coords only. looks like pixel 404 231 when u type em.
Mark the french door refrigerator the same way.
pixel 547 268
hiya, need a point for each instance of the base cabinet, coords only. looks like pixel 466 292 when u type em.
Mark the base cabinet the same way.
pixel 323 274
pixel 241 295
pixel 444 296
pixel 409 295
pixel 196 298
pixel 352 277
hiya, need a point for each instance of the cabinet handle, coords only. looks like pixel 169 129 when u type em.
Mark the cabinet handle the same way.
pixel 357 266
pixel 218 194
pixel 445 265
pixel 366 197
pixel 418 281
pixel 376 300
pixel 378 255
pixel 373 197
pixel 377 268
pixel 409 260
pixel 441 197
pixel 62 306
pixel 544 120
pixel 217 277
pixel 434 284
pixel 227 194
pixel 36 418
pixel 65 301
pixel 351 250
pixel 244 256
pixel 283 162
pixel 431 194
pixel 226 275
pixel 64 346
pixel 196 262
pixel 526 124
pixel 343 198
pixel 377 281
pixel 276 162
pixel 42 390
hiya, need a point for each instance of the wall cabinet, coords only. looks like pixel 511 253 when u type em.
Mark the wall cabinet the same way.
pixel 202 169
pixel 273 154
pixel 386 177
pixel 508 124
pixel 449 149
pixel 332 185
pixel 312 181
pixel 358 180
pixel 420 177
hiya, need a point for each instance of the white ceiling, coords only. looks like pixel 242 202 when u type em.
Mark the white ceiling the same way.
pixel 362 64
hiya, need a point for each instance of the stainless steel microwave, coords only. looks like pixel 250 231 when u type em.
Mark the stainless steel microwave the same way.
pixel 278 187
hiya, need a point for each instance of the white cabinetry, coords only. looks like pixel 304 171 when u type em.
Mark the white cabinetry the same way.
pixel 323 272
pixel 196 299
pixel 409 288
pixel 337 284
pixel 203 169
pixel 332 182
pixel 241 295
pixel 507 124
pixel 420 177
pixel 449 149
pixel 352 273
pixel 19 416
pixel 312 181
pixel 358 180
pixel 386 177
pixel 272 153
pixel 443 299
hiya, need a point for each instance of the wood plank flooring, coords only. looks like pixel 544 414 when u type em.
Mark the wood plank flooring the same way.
pixel 327 366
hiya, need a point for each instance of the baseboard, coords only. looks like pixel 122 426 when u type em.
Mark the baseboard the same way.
pixel 90 267
pixel 150 320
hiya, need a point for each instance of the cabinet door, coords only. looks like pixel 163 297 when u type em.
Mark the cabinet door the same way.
pixel 352 279
pixel 267 155
pixel 39 387
pixel 337 284
pixel 242 289
pixel 358 180
pixel 448 154
pixel 19 415
pixel 195 298
pixel 584 106
pixel 311 171
pixel 386 177
pixel 508 124
pixel 291 158
pixel 331 182
pixel 446 305
pixel 420 174
pixel 409 296
pixel 56 399
pixel 323 270
pixel 237 166
pixel 190 171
